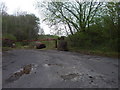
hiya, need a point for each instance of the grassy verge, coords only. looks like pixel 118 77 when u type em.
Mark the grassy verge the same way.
pixel 49 45
pixel 6 48
pixel 19 47
pixel 95 52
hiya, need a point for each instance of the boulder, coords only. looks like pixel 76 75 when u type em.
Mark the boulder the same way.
pixel 40 45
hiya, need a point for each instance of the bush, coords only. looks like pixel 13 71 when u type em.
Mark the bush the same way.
pixel 93 39
pixel 8 39
pixel 80 39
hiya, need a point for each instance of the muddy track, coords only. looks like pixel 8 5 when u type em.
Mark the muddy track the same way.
pixel 57 69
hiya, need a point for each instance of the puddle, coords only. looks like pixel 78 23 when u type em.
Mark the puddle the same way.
pixel 27 69
pixel 47 65
pixel 70 76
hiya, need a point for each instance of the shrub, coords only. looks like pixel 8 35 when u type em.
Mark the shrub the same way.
pixel 8 39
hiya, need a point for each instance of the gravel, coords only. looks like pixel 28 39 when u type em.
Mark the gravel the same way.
pixel 59 69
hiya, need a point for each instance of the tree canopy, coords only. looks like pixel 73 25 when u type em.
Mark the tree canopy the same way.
pixel 92 23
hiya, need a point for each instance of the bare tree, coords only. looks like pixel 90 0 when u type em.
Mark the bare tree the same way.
pixel 3 8
pixel 78 16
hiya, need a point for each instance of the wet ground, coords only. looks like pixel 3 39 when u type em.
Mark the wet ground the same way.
pixel 57 69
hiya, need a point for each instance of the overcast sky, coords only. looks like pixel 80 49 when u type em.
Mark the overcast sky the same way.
pixel 29 6
pixel 24 5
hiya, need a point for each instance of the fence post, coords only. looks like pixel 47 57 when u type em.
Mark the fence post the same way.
pixel 62 44
pixel 55 43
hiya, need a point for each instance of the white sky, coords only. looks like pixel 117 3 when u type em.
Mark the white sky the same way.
pixel 29 6
pixel 24 5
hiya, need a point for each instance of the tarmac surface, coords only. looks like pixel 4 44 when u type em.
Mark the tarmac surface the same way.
pixel 57 69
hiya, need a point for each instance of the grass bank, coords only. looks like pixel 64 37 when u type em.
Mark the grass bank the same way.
pixel 95 52
pixel 6 48
pixel 49 45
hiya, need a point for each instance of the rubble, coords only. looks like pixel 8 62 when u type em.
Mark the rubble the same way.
pixel 24 70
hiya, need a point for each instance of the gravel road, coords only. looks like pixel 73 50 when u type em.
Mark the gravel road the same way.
pixel 57 69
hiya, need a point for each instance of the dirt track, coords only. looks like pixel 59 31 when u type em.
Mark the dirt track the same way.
pixel 58 69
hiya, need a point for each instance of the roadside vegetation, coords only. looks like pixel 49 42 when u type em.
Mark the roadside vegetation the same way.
pixel 18 27
pixel 90 27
